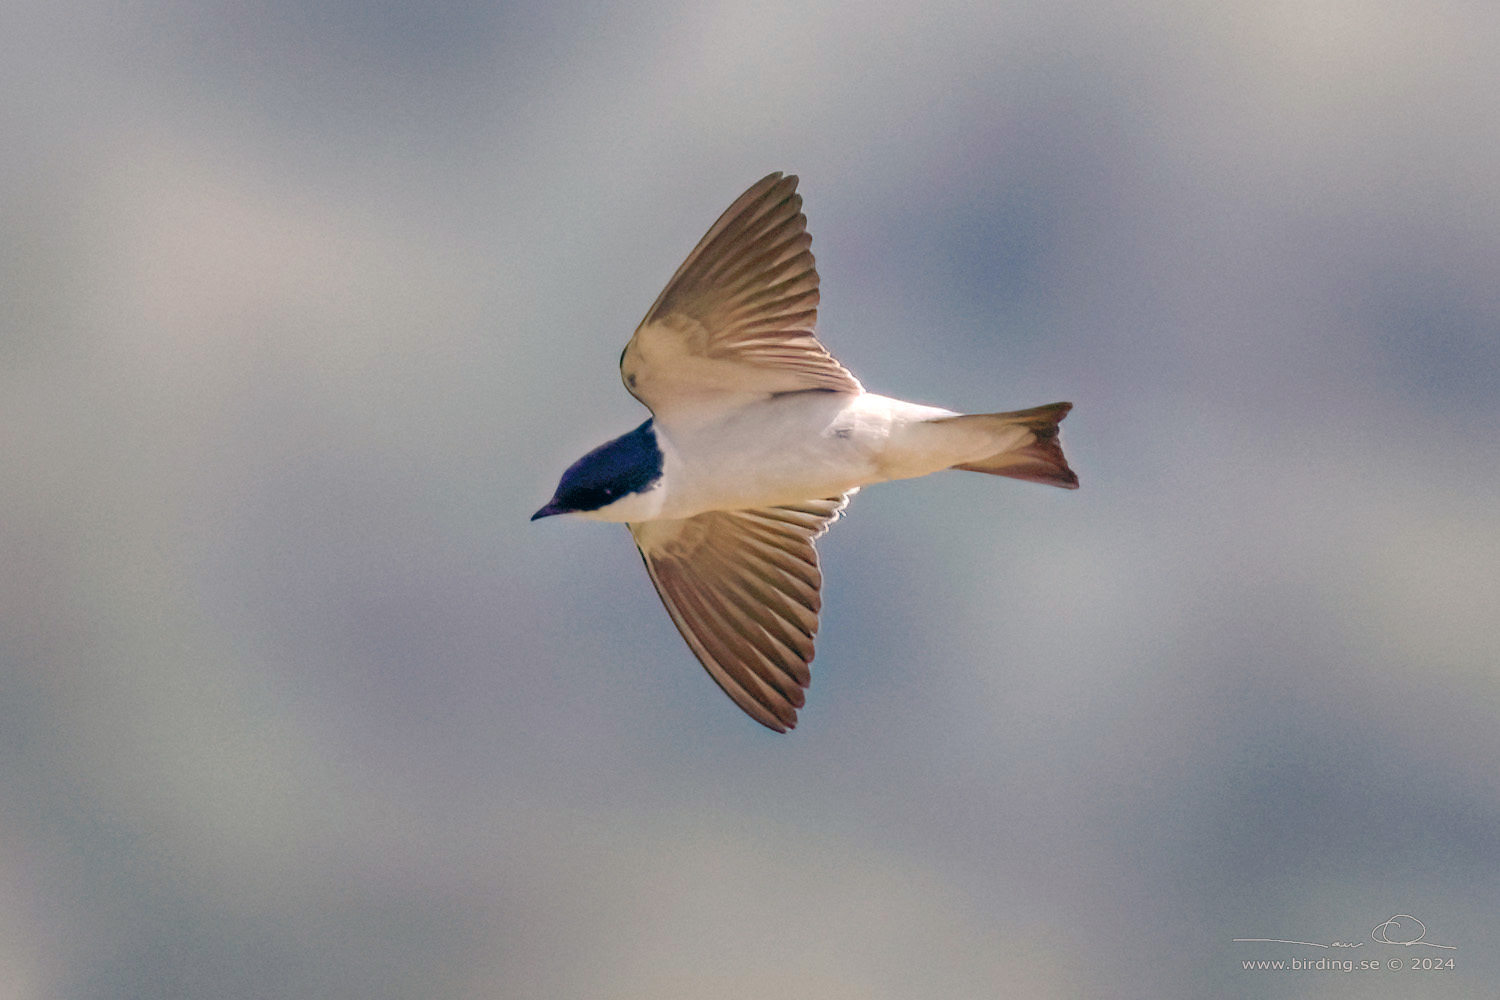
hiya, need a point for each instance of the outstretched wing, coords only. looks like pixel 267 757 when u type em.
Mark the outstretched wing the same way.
pixel 742 588
pixel 736 321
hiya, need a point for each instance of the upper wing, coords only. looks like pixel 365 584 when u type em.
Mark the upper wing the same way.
pixel 736 320
pixel 742 588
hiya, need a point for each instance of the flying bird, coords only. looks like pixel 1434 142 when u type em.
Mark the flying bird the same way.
pixel 757 440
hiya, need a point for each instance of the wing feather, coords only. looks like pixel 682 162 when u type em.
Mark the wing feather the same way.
pixel 743 589
pixel 737 320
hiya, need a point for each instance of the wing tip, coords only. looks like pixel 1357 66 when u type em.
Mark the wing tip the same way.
pixel 779 727
pixel 783 184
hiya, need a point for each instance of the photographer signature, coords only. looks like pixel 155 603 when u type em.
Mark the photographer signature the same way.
pixel 1392 931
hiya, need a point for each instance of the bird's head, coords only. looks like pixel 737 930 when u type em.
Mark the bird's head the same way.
pixel 631 463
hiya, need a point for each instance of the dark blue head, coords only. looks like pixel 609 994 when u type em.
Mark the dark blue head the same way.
pixel 628 464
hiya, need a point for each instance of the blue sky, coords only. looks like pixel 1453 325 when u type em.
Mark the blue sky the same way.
pixel 306 306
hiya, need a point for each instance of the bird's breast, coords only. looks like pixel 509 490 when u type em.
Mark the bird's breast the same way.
pixel 786 449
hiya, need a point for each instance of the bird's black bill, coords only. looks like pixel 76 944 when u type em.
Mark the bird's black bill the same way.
pixel 546 511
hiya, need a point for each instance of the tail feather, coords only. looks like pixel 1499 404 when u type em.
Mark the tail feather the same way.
pixel 1034 450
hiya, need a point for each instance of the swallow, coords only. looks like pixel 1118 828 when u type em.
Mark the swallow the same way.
pixel 756 441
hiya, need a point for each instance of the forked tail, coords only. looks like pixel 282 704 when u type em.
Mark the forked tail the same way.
pixel 1028 445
